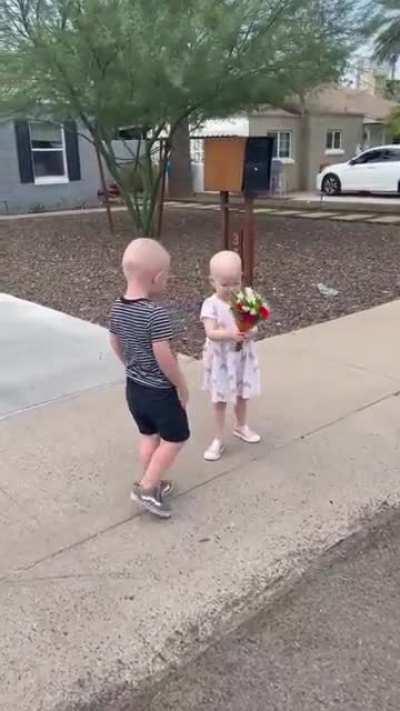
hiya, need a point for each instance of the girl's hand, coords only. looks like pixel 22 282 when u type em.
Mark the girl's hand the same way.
pixel 250 335
pixel 236 336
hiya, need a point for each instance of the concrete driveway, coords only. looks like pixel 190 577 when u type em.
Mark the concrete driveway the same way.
pixel 46 355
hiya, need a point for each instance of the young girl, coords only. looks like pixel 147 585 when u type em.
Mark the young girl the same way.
pixel 230 375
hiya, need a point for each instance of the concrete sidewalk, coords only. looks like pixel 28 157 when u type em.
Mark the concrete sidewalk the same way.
pixel 45 355
pixel 95 597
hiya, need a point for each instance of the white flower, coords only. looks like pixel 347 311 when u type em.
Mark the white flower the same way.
pixel 240 297
pixel 253 312
pixel 246 309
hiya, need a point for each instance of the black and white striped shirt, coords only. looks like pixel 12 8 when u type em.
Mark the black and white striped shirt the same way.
pixel 138 323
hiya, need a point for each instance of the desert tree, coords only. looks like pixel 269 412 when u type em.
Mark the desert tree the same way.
pixel 154 65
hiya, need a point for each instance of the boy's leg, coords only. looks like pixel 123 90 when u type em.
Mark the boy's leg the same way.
pixel 147 446
pixel 165 415
pixel 162 459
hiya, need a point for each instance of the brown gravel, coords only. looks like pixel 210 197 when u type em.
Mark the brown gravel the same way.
pixel 71 264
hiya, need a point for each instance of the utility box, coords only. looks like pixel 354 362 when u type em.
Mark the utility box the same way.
pixel 238 165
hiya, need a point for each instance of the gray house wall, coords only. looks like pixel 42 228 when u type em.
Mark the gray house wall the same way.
pixel 262 124
pixel 17 197
pixel 317 128
pixel 376 134
pixel 309 142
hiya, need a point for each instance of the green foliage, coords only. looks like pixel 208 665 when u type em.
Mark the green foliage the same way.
pixel 394 124
pixel 156 63
pixel 392 89
pixel 383 25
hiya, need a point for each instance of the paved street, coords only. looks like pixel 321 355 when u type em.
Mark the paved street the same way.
pixel 332 642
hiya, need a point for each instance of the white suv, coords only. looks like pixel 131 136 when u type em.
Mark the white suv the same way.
pixel 374 171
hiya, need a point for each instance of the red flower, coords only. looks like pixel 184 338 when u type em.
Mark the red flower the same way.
pixel 265 313
pixel 249 318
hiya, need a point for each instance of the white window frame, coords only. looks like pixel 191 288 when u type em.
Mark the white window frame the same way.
pixel 277 136
pixel 197 150
pixel 332 151
pixel 50 179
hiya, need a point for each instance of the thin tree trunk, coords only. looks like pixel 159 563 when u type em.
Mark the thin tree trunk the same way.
pixel 105 190
pixel 180 184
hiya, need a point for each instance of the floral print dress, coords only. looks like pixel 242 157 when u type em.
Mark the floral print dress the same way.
pixel 228 373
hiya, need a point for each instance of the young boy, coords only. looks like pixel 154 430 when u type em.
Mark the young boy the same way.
pixel 156 391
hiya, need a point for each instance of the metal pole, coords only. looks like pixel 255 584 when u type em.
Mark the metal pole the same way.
pixel 248 240
pixel 224 201
pixel 161 199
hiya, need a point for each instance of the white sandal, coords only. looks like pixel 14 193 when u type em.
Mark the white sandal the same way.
pixel 247 435
pixel 214 451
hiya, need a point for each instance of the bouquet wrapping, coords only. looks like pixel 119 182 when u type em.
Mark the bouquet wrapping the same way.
pixel 248 308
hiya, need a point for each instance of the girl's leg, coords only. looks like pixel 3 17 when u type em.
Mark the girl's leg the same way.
pixel 242 430
pixel 241 412
pixel 219 419
pixel 216 448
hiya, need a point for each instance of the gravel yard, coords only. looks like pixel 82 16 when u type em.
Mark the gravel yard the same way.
pixel 70 263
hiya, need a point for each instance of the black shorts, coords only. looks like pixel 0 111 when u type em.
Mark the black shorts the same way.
pixel 157 412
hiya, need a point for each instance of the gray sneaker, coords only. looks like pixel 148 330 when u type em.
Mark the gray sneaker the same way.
pixel 166 485
pixel 152 500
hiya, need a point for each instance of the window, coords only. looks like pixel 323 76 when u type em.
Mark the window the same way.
pixel 370 157
pixel 282 144
pixel 130 133
pixel 48 153
pixel 196 150
pixel 392 155
pixel 334 140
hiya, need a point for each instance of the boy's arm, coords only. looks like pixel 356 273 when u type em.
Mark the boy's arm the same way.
pixel 168 364
pixel 117 347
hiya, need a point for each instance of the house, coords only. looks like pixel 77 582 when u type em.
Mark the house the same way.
pixel 49 166
pixel 45 166
pixel 333 124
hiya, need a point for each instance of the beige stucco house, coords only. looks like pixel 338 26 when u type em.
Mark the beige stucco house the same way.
pixel 331 125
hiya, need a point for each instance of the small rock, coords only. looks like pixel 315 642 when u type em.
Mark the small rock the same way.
pixel 327 290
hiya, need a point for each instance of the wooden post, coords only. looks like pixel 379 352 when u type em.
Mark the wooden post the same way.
pixel 224 199
pixel 105 190
pixel 237 243
pixel 248 241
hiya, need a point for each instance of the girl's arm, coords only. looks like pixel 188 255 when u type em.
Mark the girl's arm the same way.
pixel 221 334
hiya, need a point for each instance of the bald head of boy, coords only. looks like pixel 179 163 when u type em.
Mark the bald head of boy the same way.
pixel 146 264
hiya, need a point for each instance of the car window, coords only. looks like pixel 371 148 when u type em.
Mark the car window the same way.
pixel 370 157
pixel 392 155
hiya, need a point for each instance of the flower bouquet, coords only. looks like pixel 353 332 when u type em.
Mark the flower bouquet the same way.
pixel 248 309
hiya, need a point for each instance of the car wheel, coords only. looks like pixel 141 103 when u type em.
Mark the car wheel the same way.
pixel 331 185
